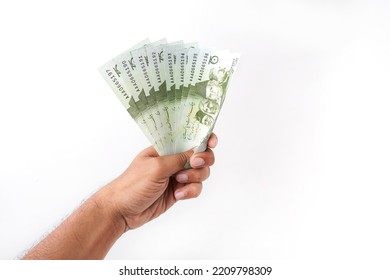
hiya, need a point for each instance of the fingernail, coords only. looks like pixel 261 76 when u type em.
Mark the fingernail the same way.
pixel 197 162
pixel 182 178
pixel 179 195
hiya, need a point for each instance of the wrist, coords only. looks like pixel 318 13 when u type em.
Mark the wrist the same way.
pixel 104 203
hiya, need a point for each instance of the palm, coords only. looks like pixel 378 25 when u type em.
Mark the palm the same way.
pixel 148 187
pixel 149 203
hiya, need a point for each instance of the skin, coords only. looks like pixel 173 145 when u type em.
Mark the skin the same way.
pixel 146 189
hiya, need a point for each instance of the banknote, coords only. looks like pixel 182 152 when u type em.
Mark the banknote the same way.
pixel 142 71
pixel 114 72
pixel 174 91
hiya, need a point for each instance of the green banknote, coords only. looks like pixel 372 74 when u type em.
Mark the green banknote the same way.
pixel 173 91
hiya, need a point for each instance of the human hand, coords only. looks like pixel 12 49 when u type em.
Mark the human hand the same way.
pixel 153 183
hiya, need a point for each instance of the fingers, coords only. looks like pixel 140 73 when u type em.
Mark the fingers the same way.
pixel 200 160
pixel 213 141
pixel 170 164
pixel 205 158
pixel 193 175
pixel 188 191
pixel 150 152
pixel 192 178
pixel 166 166
pixel 192 182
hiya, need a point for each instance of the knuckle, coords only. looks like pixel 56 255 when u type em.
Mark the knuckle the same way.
pixel 195 190
pixel 207 172
pixel 202 174
pixel 182 158
pixel 156 166
pixel 211 157
pixel 198 191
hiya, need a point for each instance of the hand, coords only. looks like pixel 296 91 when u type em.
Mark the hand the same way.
pixel 150 186
pixel 153 183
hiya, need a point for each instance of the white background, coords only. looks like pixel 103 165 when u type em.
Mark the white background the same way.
pixel 303 162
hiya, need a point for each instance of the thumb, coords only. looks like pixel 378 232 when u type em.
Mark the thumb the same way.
pixel 171 164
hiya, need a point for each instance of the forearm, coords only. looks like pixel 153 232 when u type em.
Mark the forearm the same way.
pixel 87 234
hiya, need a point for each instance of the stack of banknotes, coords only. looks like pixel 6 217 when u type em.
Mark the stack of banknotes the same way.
pixel 174 91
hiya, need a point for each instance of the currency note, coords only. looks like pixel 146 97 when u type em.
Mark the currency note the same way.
pixel 205 97
pixel 113 74
pixel 174 91
pixel 144 69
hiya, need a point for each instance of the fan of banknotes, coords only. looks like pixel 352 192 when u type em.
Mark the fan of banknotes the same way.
pixel 173 91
